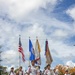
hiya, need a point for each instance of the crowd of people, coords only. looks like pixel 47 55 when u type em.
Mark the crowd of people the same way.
pixel 35 70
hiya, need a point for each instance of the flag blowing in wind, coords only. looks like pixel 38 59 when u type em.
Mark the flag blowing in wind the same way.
pixel 31 50
pixel 48 54
pixel 21 49
pixel 37 52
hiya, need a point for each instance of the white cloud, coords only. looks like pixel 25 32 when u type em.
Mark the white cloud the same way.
pixel 10 54
pixel 60 33
pixel 38 24
pixel 9 57
pixel 18 8
pixel 62 49
pixel 70 63
pixel 71 12
pixel 36 29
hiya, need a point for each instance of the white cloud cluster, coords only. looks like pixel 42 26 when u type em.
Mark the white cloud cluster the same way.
pixel 70 63
pixel 41 25
pixel 10 54
pixel 35 30
pixel 19 8
pixel 71 12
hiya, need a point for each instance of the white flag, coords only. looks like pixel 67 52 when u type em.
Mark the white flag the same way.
pixel 37 53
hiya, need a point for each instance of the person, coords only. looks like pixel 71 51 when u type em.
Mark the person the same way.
pixel 56 71
pixel 48 71
pixel 12 71
pixel 20 71
pixel 29 70
pixel 44 70
pixel 38 70
pixel 32 69
pixel 66 72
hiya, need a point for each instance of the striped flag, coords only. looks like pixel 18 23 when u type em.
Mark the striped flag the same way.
pixel 21 49
pixel 48 54
pixel 37 52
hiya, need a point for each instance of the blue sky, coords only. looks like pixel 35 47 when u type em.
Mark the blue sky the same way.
pixel 48 19
pixel 61 8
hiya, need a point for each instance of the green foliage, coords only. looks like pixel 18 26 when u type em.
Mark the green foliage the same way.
pixel 3 70
pixel 16 70
pixel 60 73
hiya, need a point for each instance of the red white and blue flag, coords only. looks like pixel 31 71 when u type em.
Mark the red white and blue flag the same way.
pixel 21 49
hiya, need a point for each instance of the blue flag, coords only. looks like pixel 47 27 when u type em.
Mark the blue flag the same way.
pixel 31 50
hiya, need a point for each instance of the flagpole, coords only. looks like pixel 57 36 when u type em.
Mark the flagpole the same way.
pixel 19 54
pixel 29 59
pixel 19 60
pixel 29 56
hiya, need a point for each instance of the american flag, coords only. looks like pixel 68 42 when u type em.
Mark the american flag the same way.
pixel 21 49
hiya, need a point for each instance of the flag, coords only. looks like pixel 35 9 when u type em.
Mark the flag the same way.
pixel 21 49
pixel 37 52
pixel 48 54
pixel 31 50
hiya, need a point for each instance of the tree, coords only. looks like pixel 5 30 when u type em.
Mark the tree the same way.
pixel 3 70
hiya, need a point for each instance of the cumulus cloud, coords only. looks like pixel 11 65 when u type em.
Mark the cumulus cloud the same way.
pixel 60 33
pixel 70 63
pixel 33 30
pixel 9 57
pixel 19 8
pixel 71 12
pixel 10 44
pixel 36 24
pixel 62 49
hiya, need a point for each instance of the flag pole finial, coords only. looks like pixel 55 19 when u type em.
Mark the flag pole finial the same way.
pixel 29 37
pixel 46 39
pixel 19 35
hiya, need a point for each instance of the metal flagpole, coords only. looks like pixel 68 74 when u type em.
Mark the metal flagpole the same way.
pixel 29 56
pixel 19 60
pixel 29 59
pixel 0 61
pixel 19 52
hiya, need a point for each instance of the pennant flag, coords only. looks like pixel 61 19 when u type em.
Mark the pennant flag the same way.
pixel 48 54
pixel 31 50
pixel 21 49
pixel 37 52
